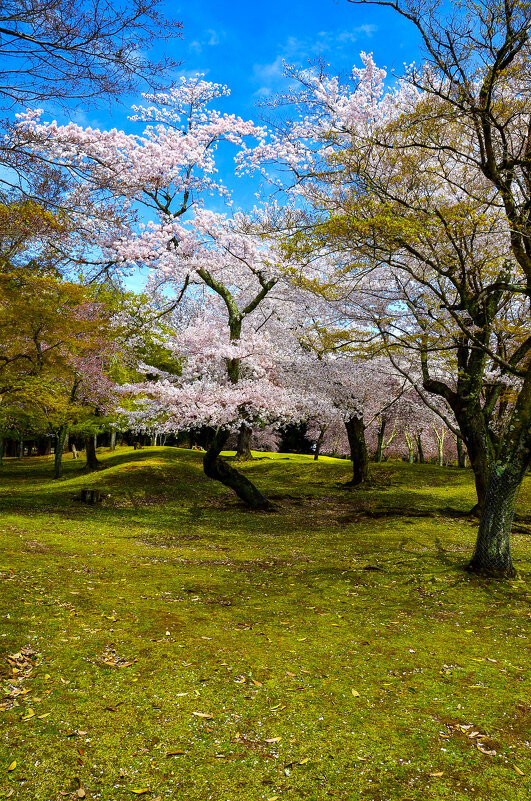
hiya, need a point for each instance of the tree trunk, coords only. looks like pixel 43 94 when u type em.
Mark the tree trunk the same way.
pixel 410 449
pixel 59 448
pixel 380 441
pixel 461 452
pixel 420 450
pixel 21 448
pixel 92 460
pixel 1 449
pixel 243 448
pixel 112 446
pixel 358 450
pixel 215 467
pixel 319 442
pixel 492 555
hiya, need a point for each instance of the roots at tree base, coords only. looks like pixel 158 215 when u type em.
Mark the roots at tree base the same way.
pixel 215 467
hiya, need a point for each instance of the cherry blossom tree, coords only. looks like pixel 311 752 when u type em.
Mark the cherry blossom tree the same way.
pixel 388 187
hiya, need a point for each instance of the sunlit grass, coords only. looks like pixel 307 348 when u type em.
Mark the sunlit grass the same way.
pixel 332 648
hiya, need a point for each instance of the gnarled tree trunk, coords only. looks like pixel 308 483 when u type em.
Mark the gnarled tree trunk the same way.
pixel 215 467
pixel 358 450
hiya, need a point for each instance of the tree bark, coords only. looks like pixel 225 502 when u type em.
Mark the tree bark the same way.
pixel 380 442
pixel 59 448
pixel 319 442
pixel 1 449
pixel 243 448
pixel 215 467
pixel 420 450
pixel 112 446
pixel 358 450
pixel 461 453
pixel 410 448
pixel 21 448
pixel 492 554
pixel 92 460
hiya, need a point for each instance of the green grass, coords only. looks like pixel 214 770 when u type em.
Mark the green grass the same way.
pixel 265 621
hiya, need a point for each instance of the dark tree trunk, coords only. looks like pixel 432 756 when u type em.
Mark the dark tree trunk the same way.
pixel 492 555
pixel 358 450
pixel 21 448
pixel 90 447
pixel 479 447
pixel 1 449
pixel 420 451
pixel 461 453
pixel 243 448
pixel 112 445
pixel 59 448
pixel 380 442
pixel 215 467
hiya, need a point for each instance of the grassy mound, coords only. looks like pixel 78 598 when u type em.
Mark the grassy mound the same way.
pixel 169 644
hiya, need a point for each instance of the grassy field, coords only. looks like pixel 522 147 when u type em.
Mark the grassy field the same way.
pixel 169 644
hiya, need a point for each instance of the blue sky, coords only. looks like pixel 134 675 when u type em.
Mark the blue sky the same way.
pixel 244 45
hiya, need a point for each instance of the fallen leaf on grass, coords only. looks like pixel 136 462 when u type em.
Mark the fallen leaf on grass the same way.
pixel 436 775
pixel 517 769
pixel 31 714
pixel 355 693
pixel 140 791
pixel 273 739
pixel 81 793
pixel 174 753
pixel 9 793
pixel 205 715
pixel 12 766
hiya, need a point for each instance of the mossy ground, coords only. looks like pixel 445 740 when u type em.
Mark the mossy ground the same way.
pixel 336 645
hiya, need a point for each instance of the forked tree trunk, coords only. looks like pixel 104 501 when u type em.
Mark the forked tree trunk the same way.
pixel 215 467
pixel 243 448
pixel 59 448
pixel 358 450
pixel 492 555
pixel 90 447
